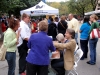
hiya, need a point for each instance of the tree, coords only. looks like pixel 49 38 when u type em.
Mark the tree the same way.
pixel 62 6
pixel 14 6
pixel 94 3
pixel 79 6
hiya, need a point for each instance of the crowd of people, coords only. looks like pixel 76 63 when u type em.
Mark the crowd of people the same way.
pixel 35 39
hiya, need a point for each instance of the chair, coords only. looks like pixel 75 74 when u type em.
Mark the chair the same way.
pixel 76 49
pixel 77 56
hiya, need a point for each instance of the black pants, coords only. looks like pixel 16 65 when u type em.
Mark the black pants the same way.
pixel 59 67
pixel 22 57
pixel 84 47
pixel 33 69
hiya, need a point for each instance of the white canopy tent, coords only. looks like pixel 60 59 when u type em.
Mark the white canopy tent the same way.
pixel 40 9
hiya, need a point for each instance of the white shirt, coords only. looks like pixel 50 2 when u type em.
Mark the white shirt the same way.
pixel 25 32
pixel 56 23
pixel 74 24
pixel 20 41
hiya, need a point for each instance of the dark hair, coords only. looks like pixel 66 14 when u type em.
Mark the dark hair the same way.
pixel 51 19
pixel 40 19
pixel 56 18
pixel 71 32
pixel 13 23
pixel 33 20
pixel 86 19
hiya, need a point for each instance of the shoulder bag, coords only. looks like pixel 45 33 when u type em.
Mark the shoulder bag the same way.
pixel 3 50
pixel 95 32
pixel 62 25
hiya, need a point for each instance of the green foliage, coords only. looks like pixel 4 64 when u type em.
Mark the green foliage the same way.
pixel 62 6
pixel 71 6
pixel 81 6
pixel 14 6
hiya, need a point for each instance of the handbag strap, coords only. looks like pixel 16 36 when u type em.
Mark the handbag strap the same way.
pixel 62 25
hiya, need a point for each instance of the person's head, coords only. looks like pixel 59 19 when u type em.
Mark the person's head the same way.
pixel 14 24
pixel 70 34
pixel 33 20
pixel 40 19
pixel 62 18
pixel 43 26
pixel 25 18
pixel 51 19
pixel 93 18
pixel 56 19
pixel 70 16
pixel 60 37
pixel 86 19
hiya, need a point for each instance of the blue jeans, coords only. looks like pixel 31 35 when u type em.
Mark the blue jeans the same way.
pixel 11 60
pixel 92 45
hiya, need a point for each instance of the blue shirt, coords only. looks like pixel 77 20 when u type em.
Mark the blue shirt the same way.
pixel 40 44
pixel 84 31
pixel 49 21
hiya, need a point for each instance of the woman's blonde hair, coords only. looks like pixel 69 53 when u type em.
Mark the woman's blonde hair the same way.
pixel 24 16
pixel 43 26
pixel 94 16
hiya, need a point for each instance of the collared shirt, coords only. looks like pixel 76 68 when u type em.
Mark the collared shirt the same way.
pixel 39 44
pixel 74 24
pixel 25 32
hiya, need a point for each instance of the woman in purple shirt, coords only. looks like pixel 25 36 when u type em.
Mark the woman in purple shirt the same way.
pixel 38 57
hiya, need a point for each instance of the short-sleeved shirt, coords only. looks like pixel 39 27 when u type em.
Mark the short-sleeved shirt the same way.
pixel 25 32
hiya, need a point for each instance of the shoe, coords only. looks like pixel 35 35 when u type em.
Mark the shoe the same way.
pixel 82 59
pixel 91 63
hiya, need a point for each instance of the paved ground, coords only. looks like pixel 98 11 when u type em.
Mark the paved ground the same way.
pixel 83 68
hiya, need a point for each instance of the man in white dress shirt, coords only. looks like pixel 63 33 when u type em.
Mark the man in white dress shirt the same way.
pixel 73 24
pixel 22 46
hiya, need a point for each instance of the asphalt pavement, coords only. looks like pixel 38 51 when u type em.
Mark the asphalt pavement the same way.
pixel 82 69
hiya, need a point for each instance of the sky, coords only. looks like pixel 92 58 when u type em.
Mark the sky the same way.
pixel 56 0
